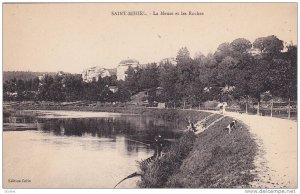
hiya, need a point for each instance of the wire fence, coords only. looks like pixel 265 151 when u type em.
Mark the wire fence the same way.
pixel 286 110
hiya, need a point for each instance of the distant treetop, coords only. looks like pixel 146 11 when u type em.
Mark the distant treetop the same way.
pixel 129 61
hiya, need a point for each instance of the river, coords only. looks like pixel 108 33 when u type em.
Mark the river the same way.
pixel 69 149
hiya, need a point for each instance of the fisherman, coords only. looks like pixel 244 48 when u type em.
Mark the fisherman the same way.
pixel 158 143
pixel 220 105
pixel 191 126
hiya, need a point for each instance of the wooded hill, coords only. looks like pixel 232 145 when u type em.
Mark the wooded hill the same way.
pixel 23 75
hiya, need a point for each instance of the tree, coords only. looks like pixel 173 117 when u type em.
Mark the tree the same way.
pixel 283 74
pixel 168 76
pixel 223 51
pixel 271 70
pixel 195 91
pixel 35 84
pixel 56 90
pixel 10 86
pixel 259 81
pixel 51 89
pixel 123 94
pixel 132 80
pixel 226 71
pixel 73 87
pixel 20 88
pixel 90 91
pixel 44 88
pixel 199 57
pixel 241 45
pixel 183 56
pixel 110 80
pixel 149 77
pixel 190 83
pixel 268 45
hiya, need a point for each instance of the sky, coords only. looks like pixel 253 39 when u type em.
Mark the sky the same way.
pixel 71 37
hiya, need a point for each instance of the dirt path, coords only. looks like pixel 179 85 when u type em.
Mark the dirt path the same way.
pixel 276 162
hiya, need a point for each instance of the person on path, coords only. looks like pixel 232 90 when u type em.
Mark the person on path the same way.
pixel 158 143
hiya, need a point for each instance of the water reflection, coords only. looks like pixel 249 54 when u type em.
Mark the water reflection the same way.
pixel 132 126
pixel 105 148
pixel 137 130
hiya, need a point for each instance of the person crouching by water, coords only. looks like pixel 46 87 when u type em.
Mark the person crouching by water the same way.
pixel 191 126
pixel 158 144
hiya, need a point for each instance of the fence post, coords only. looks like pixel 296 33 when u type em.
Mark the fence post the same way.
pixel 272 108
pixel 289 113
pixel 199 106
pixel 246 107
pixel 257 108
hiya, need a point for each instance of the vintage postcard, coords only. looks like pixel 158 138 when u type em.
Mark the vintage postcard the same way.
pixel 150 95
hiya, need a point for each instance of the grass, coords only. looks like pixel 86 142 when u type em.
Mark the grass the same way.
pixel 218 159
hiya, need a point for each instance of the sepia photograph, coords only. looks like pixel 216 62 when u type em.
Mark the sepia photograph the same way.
pixel 150 95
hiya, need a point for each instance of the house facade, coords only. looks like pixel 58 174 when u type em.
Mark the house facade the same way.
pixel 123 67
pixel 93 73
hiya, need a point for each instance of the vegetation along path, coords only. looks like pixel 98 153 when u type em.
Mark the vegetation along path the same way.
pixel 276 161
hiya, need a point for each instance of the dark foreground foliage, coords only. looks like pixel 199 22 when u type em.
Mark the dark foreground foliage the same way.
pixel 157 174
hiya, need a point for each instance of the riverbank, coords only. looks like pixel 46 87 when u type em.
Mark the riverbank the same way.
pixel 178 115
pixel 216 159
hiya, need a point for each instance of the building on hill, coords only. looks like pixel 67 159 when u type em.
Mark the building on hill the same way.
pixel 159 90
pixel 112 72
pixel 41 77
pixel 93 73
pixel 123 67
pixel 254 51
pixel 61 73
pixel 113 89
pixel 171 61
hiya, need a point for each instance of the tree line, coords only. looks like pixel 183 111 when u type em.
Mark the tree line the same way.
pixel 239 70
pixel 23 75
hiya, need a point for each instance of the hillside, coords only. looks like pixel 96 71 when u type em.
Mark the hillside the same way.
pixel 24 75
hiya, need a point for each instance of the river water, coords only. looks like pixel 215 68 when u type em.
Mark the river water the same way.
pixel 68 149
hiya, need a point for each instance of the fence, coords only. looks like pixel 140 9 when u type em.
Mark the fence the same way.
pixel 275 109
pixel 286 110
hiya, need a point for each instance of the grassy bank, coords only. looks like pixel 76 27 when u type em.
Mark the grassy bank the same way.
pixel 213 159
pixel 156 174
